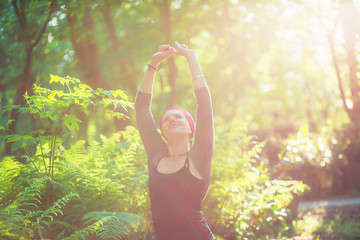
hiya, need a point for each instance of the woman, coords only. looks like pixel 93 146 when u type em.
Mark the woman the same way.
pixel 179 172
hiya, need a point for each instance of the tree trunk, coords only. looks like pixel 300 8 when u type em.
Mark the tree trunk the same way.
pixel 82 33
pixel 31 40
pixel 173 71
pixel 127 83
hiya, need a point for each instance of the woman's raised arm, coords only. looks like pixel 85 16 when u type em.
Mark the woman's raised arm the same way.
pixel 164 52
pixel 154 145
pixel 197 75
pixel 203 144
pixel 201 151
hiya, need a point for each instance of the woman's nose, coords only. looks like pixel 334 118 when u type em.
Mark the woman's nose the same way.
pixel 172 119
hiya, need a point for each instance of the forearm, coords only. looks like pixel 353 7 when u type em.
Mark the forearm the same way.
pixel 197 75
pixel 148 80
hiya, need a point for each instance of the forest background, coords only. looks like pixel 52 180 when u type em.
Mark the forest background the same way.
pixel 285 82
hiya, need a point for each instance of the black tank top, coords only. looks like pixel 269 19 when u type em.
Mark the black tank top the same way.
pixel 176 205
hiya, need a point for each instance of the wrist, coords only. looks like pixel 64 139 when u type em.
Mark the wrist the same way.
pixel 190 54
pixel 154 63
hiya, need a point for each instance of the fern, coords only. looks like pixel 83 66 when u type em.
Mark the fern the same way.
pixel 107 225
pixel 11 182
pixel 23 217
pixel 56 208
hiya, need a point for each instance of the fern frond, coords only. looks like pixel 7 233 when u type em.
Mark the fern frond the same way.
pixel 107 225
pixel 55 209
pixel 28 197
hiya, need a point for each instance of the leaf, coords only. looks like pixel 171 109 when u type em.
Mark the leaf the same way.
pixel 51 95
pixel 9 122
pixel 16 145
pixel 54 78
pixel 28 204
pixel 108 93
pixel 59 93
pixel 84 86
pixel 118 115
pixel 73 80
pixel 122 94
pixel 67 125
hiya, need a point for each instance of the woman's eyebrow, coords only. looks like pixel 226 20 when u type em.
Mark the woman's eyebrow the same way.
pixel 176 114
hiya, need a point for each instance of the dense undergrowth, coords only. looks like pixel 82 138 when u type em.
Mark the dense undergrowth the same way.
pixel 52 187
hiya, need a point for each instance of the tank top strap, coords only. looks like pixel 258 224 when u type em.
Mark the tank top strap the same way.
pixel 157 162
pixel 187 165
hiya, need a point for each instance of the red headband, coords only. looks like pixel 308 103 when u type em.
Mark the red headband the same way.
pixel 187 116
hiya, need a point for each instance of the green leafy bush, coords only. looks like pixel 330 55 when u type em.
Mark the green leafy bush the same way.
pixel 308 157
pixel 53 111
pixel 24 219
pixel 29 213
pixel 243 202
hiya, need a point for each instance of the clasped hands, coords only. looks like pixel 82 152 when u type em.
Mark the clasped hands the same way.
pixel 166 51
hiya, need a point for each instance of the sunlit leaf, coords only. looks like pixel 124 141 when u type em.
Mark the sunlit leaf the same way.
pixel 51 95
pixel 59 93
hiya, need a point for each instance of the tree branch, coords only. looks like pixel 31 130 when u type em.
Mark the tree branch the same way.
pixel 37 40
pixel 17 12
pixel 330 35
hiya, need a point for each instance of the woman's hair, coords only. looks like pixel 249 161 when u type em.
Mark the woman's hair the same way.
pixel 187 116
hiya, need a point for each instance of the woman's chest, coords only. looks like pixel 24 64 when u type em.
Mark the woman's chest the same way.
pixel 169 166
pixel 180 186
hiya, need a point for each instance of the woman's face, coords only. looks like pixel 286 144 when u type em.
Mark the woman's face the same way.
pixel 174 123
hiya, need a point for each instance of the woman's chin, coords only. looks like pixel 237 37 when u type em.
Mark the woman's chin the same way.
pixel 176 134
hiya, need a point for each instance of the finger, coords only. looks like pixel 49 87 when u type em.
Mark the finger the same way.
pixel 169 51
pixel 164 47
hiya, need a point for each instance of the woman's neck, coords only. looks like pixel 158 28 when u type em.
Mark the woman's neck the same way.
pixel 178 147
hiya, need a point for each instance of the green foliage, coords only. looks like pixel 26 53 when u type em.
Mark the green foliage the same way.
pixel 12 179
pixel 108 177
pixel 107 225
pixel 243 201
pixel 78 169
pixel 307 225
pixel 98 189
pixel 326 160
pixel 308 156
pixel 53 109
pixel 329 223
pixel 287 80
pixel 23 217
pixel 111 176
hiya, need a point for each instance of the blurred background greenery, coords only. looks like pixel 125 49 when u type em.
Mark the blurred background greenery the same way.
pixel 285 82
